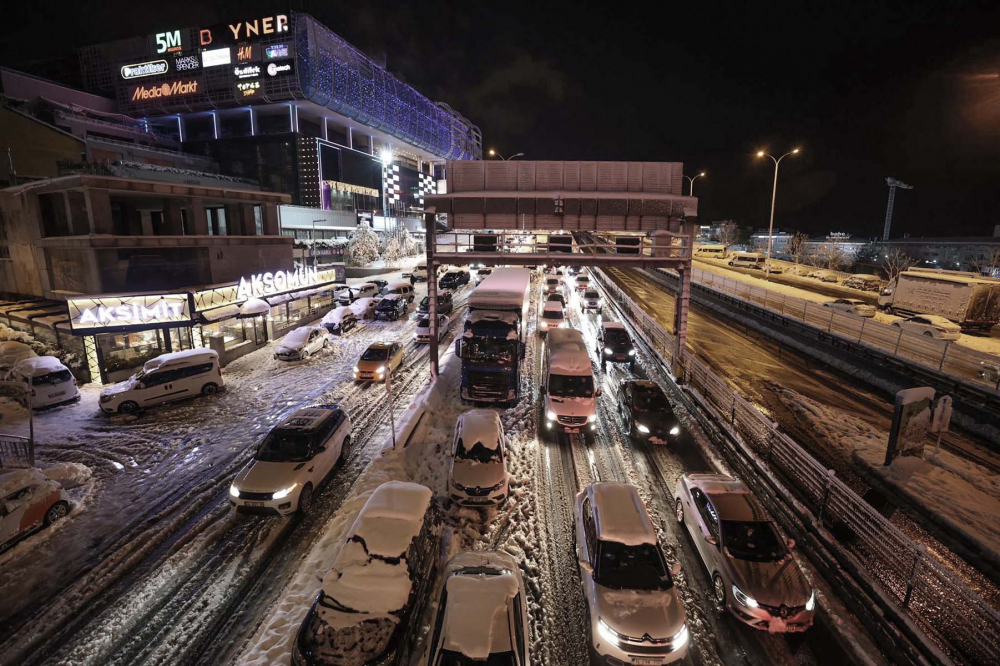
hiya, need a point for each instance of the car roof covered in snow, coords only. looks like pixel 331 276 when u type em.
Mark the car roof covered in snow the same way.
pixel 620 515
pixel 307 419
pixel 299 335
pixel 718 483
pixel 475 620
pixel 613 325
pixel 392 297
pixel 731 498
pixel 479 425
pixel 37 366
pixel 552 306
pixel 186 357
pixel 13 480
pixel 337 314
pixel 936 319
pixel 396 284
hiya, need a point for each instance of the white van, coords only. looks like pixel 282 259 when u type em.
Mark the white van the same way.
pixel 569 401
pixel 710 251
pixel 748 260
pixel 51 382
pixel 348 295
pixel 166 378
pixel 404 289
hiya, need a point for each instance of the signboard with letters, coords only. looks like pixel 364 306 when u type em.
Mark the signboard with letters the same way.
pixel 168 89
pixel 141 69
pixel 231 33
pixel 265 284
pixel 247 90
pixel 216 57
pixel 120 312
pixel 276 51
pixel 281 68
pixel 187 63
pixel 171 41
pixel 248 53
pixel 242 72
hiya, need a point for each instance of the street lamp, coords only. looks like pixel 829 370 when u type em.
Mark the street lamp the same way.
pixel 386 157
pixel 691 180
pixel 774 195
pixel 494 153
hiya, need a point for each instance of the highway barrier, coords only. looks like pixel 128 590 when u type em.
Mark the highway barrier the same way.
pixel 899 589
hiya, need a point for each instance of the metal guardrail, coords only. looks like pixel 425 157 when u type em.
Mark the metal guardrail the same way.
pixel 938 355
pixel 16 452
pixel 659 245
pixel 944 608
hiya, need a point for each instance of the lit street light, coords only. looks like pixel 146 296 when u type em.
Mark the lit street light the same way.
pixel 691 180
pixel 774 195
pixel 494 153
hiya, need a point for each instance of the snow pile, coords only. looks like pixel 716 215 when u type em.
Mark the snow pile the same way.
pixel 363 246
pixel 21 478
pixel 360 307
pixel 69 474
pixel 623 518
pixel 69 359
pixel 336 315
pixel 38 366
pixel 963 495
pixel 12 351
pixel 476 618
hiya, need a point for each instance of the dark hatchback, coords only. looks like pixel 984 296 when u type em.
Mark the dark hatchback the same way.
pixel 453 280
pixel 391 308
pixel 646 413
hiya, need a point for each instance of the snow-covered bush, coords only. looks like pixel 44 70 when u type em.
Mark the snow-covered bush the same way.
pixel 70 359
pixel 363 246
pixel 398 244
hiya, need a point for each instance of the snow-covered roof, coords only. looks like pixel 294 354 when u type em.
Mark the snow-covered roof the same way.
pixel 298 337
pixel 224 312
pixel 336 315
pixel 948 276
pixel 196 355
pixel 570 362
pixel 400 283
pixel 621 516
pixel 391 517
pixel 479 425
pixel 14 480
pixel 504 288
pixel 866 276
pixel 489 315
pixel 938 320
pixel 392 297
pixel 552 306
pixel 38 366
pixel 255 306
pixel 475 621
pixel 359 306
pixel 616 325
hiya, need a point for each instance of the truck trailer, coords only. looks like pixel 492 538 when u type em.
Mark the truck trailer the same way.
pixel 492 342
pixel 971 301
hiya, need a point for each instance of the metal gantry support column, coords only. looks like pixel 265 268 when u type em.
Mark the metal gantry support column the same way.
pixel 429 225
pixel 683 299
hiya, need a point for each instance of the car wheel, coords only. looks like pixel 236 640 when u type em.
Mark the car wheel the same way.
pixel 719 590
pixel 345 448
pixel 55 512
pixel 305 499
pixel 209 389
pixel 679 511
pixel 128 407
pixel 305 354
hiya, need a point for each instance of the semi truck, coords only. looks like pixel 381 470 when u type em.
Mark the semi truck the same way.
pixel 492 342
pixel 971 301
pixel 569 393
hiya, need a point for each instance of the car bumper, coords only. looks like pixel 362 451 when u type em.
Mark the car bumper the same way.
pixel 297 356
pixel 423 339
pixel 282 507
pixel 950 336
pixel 761 619
pixel 618 358
pixel 493 499
pixel 368 377
pixel 620 655
pixel 570 428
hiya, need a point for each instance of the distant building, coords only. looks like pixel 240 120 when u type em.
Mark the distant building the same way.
pixel 780 242
pixel 961 253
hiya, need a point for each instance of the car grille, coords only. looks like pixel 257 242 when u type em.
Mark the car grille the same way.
pixel 487 384
pixel 255 497
pixel 782 611
pixel 572 420
pixel 646 645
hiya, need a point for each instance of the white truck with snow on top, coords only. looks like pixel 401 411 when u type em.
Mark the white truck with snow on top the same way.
pixel 971 301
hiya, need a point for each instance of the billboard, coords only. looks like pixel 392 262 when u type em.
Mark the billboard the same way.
pixel 155 91
pixel 117 312
pixel 141 69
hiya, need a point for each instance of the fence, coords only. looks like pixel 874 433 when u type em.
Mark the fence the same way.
pixel 943 356
pixel 945 608
pixel 16 451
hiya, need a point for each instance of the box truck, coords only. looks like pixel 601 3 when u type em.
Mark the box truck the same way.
pixel 971 301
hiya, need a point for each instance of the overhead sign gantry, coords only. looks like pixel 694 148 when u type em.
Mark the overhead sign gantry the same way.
pixel 527 213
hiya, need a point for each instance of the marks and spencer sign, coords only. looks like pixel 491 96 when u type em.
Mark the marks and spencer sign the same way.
pixel 113 312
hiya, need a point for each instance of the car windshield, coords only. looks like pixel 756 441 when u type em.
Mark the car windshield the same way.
pixel 388 304
pixel 556 298
pixel 57 377
pixel 552 314
pixel 478 453
pixel 756 541
pixel 379 354
pixel 624 567
pixel 424 323
pixel 281 446
pixel 296 337
pixel 449 658
pixel 425 302
pixel 616 338
pixel 591 294
pixel 567 386
pixel 646 399
pixel 490 351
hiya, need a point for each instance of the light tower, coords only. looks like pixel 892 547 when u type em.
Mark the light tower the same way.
pixel 893 184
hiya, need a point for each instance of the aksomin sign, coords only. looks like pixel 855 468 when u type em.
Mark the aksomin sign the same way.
pixel 115 311
pixel 263 284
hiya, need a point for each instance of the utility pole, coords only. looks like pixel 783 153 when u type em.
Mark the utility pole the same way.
pixel 893 184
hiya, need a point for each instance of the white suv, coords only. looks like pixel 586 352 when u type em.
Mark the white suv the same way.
pixel 294 459
pixel 636 615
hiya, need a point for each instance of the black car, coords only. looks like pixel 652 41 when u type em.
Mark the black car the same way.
pixel 444 306
pixel 392 307
pixel 453 280
pixel 614 345
pixel 646 413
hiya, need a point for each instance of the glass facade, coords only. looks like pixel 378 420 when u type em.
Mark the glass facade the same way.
pixel 125 351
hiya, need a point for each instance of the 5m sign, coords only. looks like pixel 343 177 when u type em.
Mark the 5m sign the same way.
pixel 170 42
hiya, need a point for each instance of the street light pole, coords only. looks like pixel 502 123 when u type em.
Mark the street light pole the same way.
pixel 691 181
pixel 774 196
pixel 494 153
pixel 392 417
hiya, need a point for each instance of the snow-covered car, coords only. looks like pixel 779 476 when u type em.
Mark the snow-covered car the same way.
pixel 989 372
pixel 556 298
pixel 340 320
pixel 392 307
pixel 380 358
pixel 364 308
pixel 773 268
pixel 581 282
pixel 852 306
pixel 479 469
pixel 932 326
pixel 29 501
pixel 404 289
pixel 569 396
pixel 863 282
pixel 483 613
pixel 51 382
pixel 419 273
pixel 445 303
pixel 292 462
pixel 351 294
pixel 482 274
pixel 824 276
pixel 646 413
pixel 614 344
pixel 553 285
pixel 378 583
pixel 166 378
pixel 799 270
pixel 422 333
pixel 11 352
pixel 591 301
pixel 302 343
pixel 635 614
pixel 453 280
pixel 753 572
pixel 553 316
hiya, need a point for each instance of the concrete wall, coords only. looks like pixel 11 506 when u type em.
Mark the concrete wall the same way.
pixel 21 274
pixel 34 147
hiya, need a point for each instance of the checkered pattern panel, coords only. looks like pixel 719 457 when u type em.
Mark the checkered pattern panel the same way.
pixel 390 184
pixel 427 186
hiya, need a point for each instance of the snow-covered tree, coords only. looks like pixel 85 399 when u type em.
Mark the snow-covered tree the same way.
pixel 896 262
pixel 797 245
pixel 728 234
pixel 363 246
pixel 398 244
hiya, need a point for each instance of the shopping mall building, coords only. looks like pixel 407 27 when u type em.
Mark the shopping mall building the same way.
pixel 157 210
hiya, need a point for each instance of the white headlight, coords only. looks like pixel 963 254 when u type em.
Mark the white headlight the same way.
pixel 550 415
pixel 284 492
pixel 607 633
pixel 356 369
pixel 607 350
pixel 811 604
pixel 679 639
pixel 544 325
pixel 593 418
pixel 380 368
pixel 234 491
pixel 675 430
pixel 744 599
pixel 641 428
pixel 631 352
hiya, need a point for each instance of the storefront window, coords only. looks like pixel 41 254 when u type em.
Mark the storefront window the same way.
pixel 124 351
pixel 297 310
pixel 233 332
pixel 180 339
pixel 279 314
pixel 321 300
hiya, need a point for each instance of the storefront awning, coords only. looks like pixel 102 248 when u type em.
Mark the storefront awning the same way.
pixel 215 314
pixel 254 307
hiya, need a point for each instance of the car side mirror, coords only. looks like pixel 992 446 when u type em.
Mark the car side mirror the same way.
pixel 585 565
pixel 598 392
pixel 542 388
pixel 711 540
pixel 790 543
pixel 676 569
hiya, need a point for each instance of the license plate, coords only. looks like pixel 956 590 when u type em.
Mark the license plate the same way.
pixel 254 504
pixel 56 395
pixel 639 661
pixel 572 431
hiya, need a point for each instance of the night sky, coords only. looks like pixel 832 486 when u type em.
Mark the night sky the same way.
pixel 865 89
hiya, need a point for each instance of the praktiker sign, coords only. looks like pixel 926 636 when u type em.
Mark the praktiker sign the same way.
pixel 264 284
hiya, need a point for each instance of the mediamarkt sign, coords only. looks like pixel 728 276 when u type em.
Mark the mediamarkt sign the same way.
pixel 263 284
pixel 142 93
